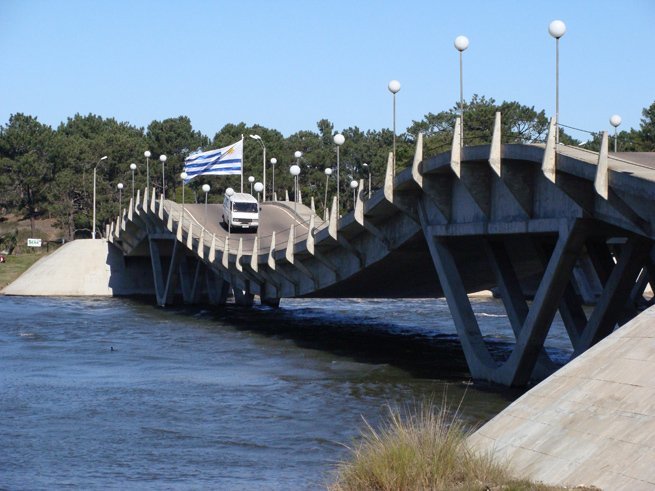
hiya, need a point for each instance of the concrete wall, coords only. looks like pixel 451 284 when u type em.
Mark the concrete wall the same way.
pixel 592 422
pixel 85 268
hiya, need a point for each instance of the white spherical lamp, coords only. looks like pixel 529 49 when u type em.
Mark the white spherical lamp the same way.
pixel 615 120
pixel 328 171
pixel 259 187
pixel 461 43
pixel 206 188
pixel 273 161
pixel 120 185
pixel 229 192
pixel 354 184
pixel 251 179
pixel 147 154
pixel 294 169
pixel 133 166
pixel 297 154
pixel 394 86
pixel 163 158
pixel 339 139
pixel 183 176
pixel 557 29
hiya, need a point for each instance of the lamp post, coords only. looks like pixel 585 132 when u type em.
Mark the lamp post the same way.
pixel 368 168
pixel 251 180
pixel 353 186
pixel 120 197
pixel 206 189
pixel 133 168
pixel 615 121
pixel 339 139
pixel 93 232
pixel 183 176
pixel 261 142
pixel 295 170
pixel 229 192
pixel 328 173
pixel 394 87
pixel 259 187
pixel 147 155
pixel 461 43
pixel 163 158
pixel 273 162
pixel 557 29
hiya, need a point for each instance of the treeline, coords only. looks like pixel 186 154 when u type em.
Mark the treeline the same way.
pixel 46 172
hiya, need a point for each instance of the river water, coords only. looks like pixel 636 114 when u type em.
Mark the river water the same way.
pixel 227 399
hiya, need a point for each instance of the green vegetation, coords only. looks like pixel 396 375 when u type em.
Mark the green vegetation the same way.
pixel 424 449
pixel 16 265
pixel 47 173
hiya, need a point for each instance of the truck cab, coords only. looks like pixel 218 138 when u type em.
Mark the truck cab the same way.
pixel 241 210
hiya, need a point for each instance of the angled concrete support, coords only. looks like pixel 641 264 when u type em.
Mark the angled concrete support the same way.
pixel 389 179
pixel 609 309
pixel 189 237
pixel 456 150
pixel 418 158
pixel 161 207
pixel 601 182
pixel 494 152
pixel 157 272
pixel 549 163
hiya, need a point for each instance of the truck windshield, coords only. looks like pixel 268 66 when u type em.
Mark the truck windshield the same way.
pixel 245 207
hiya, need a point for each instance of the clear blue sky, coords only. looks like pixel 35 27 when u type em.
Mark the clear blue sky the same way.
pixel 287 64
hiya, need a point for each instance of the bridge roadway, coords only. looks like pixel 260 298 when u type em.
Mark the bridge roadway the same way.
pixel 550 227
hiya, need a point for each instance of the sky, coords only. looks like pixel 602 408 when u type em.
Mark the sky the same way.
pixel 286 64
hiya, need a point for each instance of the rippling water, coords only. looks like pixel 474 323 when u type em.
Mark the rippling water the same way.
pixel 219 399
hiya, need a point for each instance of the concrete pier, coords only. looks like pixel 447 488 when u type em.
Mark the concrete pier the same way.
pixel 592 422
pixel 84 268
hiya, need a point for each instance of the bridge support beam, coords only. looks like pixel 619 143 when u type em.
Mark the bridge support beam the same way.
pixel 530 325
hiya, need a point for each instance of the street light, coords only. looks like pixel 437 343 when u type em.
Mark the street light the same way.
pixel 338 140
pixel 273 162
pixel 394 87
pixel 183 176
pixel 368 168
pixel 147 155
pixel 229 192
pixel 261 142
pixel 353 186
pixel 162 158
pixel 120 197
pixel 461 43
pixel 93 232
pixel 615 121
pixel 259 187
pixel 133 168
pixel 295 170
pixel 328 173
pixel 206 189
pixel 251 179
pixel 557 29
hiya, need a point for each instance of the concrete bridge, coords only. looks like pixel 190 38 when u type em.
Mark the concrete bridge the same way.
pixel 550 227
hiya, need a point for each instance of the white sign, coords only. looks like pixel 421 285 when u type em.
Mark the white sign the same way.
pixel 33 242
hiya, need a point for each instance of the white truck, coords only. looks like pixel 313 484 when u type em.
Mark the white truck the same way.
pixel 241 210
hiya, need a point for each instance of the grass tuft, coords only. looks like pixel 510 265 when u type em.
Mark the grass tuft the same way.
pixel 423 449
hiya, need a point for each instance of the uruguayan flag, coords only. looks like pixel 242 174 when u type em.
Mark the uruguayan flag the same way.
pixel 222 162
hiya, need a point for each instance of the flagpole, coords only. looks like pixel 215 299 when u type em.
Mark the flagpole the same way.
pixel 243 161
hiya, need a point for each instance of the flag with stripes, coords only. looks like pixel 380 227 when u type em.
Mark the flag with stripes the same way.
pixel 224 161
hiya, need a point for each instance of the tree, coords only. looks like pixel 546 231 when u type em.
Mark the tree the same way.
pixel 647 133
pixel 24 147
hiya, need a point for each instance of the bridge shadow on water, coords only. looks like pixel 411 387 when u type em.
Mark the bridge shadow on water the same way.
pixel 424 354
